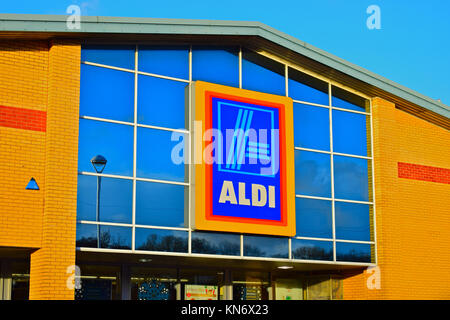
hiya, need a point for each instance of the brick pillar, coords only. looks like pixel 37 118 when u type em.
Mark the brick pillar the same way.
pixel 385 145
pixel 48 277
pixel 385 133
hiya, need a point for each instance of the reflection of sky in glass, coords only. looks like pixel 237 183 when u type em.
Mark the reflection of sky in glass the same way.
pixel 115 199
pixel 312 174
pixel 304 92
pixel 161 102
pixel 311 127
pixel 352 221
pixel 154 155
pixel 312 250
pixel 258 78
pixel 86 197
pixel 167 61
pixel 160 204
pixel 216 243
pixel 313 218
pixel 113 141
pixel 161 240
pixel 216 66
pixel 353 252
pixel 259 246
pixel 351 178
pixel 111 55
pixel 349 133
pixel 106 93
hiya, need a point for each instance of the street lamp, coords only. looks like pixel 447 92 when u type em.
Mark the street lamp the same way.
pixel 99 164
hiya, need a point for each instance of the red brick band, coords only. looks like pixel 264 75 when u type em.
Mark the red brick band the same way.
pixel 21 118
pixel 423 173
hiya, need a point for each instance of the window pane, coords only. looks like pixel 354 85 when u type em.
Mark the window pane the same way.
pixel 160 204
pixel 319 288
pixel 162 102
pixel 303 87
pixel 271 247
pixel 116 56
pixel 106 93
pixel 311 127
pixel 159 157
pixel 313 218
pixel 351 178
pixel 353 252
pixel 312 250
pixel 113 141
pixel 161 240
pixel 111 237
pixel 289 289
pixel 262 74
pixel 115 199
pixel 312 174
pixel 352 221
pixel 216 65
pixel 347 100
pixel 166 61
pixel 86 197
pixel 86 235
pixel 149 283
pixel 337 290
pixel 349 133
pixel 216 243
pixel 210 277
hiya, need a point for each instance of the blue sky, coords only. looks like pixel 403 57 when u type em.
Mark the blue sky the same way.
pixel 411 48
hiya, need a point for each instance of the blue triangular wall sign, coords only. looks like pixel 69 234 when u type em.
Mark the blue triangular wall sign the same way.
pixel 32 185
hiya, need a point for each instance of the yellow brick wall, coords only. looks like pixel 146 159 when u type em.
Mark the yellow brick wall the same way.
pixel 48 269
pixel 412 216
pixel 24 81
pixel 24 74
pixel 43 76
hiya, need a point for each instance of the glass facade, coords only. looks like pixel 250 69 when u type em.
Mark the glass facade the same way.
pixel 134 111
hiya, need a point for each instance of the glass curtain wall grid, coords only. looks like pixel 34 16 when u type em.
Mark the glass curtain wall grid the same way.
pixel 135 106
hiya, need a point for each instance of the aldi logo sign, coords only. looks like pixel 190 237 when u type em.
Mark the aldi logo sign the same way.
pixel 244 171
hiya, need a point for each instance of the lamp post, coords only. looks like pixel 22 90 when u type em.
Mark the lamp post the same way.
pixel 99 163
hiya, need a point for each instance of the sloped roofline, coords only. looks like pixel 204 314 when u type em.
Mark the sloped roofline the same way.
pixel 120 25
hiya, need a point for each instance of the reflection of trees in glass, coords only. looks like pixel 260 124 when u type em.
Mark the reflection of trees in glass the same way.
pixel 315 253
pixel 166 243
pixel 254 251
pixel 106 241
pixel 223 247
pixel 89 242
pixel 117 243
pixel 355 256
